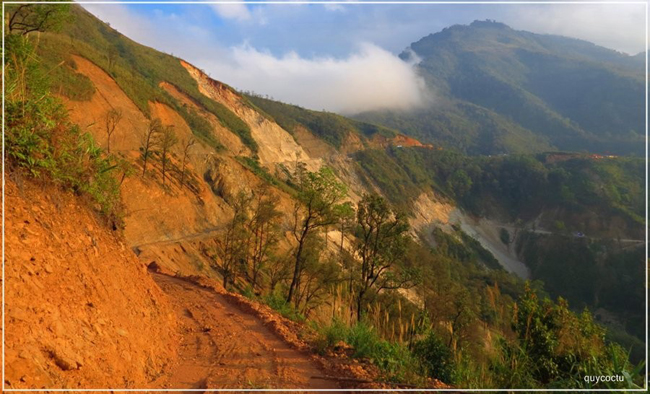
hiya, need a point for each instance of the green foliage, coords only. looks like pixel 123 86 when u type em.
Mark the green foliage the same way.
pixel 278 302
pixel 319 196
pixel 40 138
pixel 562 346
pixel 464 248
pixel 200 126
pixel 435 357
pixel 254 166
pixel 384 171
pixel 591 273
pixel 395 360
pixel 23 19
pixel 381 241
pixel 518 186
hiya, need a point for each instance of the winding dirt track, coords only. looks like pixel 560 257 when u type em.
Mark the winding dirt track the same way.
pixel 224 347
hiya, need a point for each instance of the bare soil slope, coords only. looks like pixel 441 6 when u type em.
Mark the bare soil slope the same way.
pixel 81 310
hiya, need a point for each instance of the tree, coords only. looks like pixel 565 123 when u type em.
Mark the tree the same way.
pixel 126 168
pixel 231 247
pixel 187 144
pixel 111 56
pixel 111 120
pixel 381 245
pixel 318 204
pixel 150 141
pixel 320 276
pixel 27 18
pixel 460 183
pixel 264 229
pixel 167 140
pixel 346 222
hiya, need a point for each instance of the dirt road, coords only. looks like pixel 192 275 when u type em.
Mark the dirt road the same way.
pixel 224 347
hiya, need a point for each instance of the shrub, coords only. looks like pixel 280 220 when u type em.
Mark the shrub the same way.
pixel 279 303
pixel 435 357
pixel 40 138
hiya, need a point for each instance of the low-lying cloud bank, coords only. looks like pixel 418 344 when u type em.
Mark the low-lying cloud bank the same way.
pixel 369 79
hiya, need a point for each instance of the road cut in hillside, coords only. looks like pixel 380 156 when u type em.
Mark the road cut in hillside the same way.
pixel 225 347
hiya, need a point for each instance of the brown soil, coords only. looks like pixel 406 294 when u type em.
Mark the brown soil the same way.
pixel 81 310
pixel 223 347
pixel 90 115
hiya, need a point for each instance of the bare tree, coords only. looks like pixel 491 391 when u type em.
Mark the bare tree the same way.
pixel 167 140
pixel 187 144
pixel 111 120
pixel 149 142
pixel 27 18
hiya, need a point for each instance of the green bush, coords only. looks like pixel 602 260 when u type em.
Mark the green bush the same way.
pixel 394 360
pixel 279 303
pixel 330 335
pixel 435 357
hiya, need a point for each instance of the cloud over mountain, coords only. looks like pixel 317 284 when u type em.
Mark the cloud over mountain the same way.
pixel 369 79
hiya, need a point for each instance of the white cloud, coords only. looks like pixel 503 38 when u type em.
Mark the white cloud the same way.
pixel 236 11
pixel 333 7
pixel 617 26
pixel 369 79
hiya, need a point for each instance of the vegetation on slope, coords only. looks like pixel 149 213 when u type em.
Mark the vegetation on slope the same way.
pixel 533 342
pixel 137 69
pixel 499 90
pixel 331 127
pixel 515 186
pixel 39 136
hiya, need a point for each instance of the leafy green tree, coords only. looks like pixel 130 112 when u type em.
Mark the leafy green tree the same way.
pixel 563 346
pixel 381 244
pixel 319 198
pixel 231 250
pixel 264 228
pixel 436 358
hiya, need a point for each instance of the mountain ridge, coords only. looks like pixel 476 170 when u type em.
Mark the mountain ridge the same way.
pixel 569 93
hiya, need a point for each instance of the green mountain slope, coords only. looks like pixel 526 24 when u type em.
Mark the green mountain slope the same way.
pixel 498 90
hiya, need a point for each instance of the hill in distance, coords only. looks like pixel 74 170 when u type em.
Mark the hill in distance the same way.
pixel 498 90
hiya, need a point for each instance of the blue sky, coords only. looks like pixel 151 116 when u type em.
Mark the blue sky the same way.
pixel 282 50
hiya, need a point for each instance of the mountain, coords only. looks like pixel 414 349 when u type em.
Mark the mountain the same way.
pixel 498 90
pixel 228 215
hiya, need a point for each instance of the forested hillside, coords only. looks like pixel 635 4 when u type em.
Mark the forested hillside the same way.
pixel 497 90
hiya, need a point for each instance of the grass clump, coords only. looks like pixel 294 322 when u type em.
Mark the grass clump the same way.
pixel 279 303
pixel 395 361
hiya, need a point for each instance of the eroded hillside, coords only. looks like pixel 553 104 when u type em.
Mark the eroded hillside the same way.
pixel 81 310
